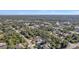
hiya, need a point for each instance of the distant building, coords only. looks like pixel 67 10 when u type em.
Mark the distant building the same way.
pixel 67 23
pixel 57 23
pixel 77 28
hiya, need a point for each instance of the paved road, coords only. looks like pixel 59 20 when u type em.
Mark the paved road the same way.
pixel 72 46
pixel 27 40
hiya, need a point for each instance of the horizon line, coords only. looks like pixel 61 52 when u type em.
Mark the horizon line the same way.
pixel 39 12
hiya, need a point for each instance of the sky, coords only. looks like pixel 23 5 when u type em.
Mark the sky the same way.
pixel 39 12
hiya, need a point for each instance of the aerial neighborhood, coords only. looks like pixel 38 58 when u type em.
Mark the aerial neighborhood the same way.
pixel 39 32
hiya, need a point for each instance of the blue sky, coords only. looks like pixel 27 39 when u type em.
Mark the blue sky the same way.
pixel 39 12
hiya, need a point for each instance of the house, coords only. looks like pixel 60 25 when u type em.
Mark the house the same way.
pixel 3 45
